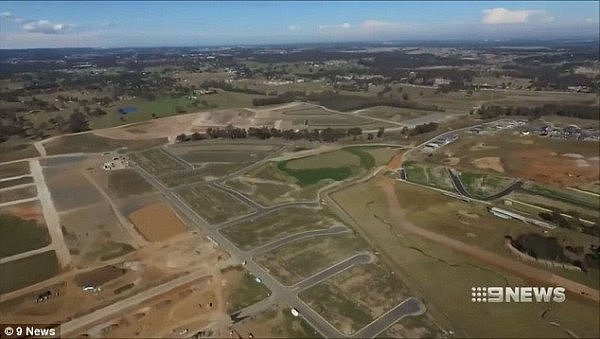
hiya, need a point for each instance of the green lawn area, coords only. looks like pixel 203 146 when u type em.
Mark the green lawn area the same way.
pixel 307 177
pixel 27 271
pixel 20 235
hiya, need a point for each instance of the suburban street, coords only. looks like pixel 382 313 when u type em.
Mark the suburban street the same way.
pixel 279 292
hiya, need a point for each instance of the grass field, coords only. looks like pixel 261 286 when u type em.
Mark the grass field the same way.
pixel 156 161
pixel 483 185
pixel 431 175
pixel 424 264
pixel 15 182
pixel 276 225
pixel 20 235
pixel 14 169
pixel 200 153
pixel 568 196
pixel 207 172
pixel 242 289
pixel 27 271
pixel 317 117
pixel 306 257
pixel 17 193
pixel 357 296
pixel 213 205
pixel 91 143
pixel 336 165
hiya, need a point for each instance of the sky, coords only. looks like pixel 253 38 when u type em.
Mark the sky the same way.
pixel 42 24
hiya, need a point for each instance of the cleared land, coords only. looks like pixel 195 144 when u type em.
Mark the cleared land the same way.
pixel 16 152
pixel 356 297
pixel 241 289
pixel 93 233
pixel 127 182
pixel 306 257
pixel 213 205
pixel 276 322
pixel 20 235
pixel 15 182
pixel 17 194
pixel 157 222
pixel 20 273
pixel 14 169
pixel 92 143
pixel 156 161
pixel 543 160
pixel 257 231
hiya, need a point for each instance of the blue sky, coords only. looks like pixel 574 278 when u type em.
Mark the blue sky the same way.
pixel 137 23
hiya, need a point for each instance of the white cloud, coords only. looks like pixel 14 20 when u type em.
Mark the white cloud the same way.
pixel 501 15
pixel 365 29
pixel 38 26
pixel 46 27
pixel 294 28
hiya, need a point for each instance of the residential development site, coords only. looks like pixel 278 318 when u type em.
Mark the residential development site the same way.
pixel 351 189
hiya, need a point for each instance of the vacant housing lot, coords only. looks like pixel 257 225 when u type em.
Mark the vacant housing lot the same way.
pixel 14 169
pixel 275 225
pixel 306 257
pixel 356 296
pixel 20 235
pixel 19 273
pixel 213 205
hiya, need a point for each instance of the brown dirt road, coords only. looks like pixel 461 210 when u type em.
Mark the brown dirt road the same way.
pixel 514 266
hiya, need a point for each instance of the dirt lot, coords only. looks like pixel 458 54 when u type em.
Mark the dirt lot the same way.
pixel 157 222
pixel 121 278
pixel 276 322
pixel 545 160
pixel 14 169
pixel 17 193
pixel 93 233
pixel 28 210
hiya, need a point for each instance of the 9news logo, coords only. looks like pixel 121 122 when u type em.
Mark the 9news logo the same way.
pixel 525 294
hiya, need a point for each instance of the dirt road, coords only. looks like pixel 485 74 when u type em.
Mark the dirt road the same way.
pixel 50 215
pixel 528 272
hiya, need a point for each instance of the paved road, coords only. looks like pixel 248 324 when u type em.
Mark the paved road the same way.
pixel 409 307
pixel 460 188
pixel 71 328
pixel 357 259
pixel 339 229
